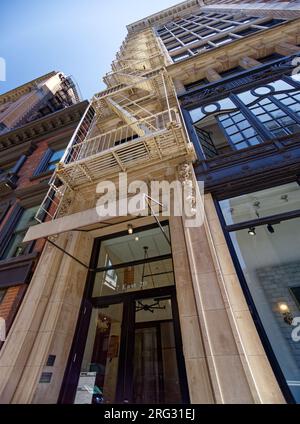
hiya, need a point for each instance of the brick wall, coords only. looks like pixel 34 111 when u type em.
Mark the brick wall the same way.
pixel 27 170
pixel 10 305
pixel 11 301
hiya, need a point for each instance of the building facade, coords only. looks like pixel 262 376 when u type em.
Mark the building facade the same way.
pixel 147 308
pixel 37 121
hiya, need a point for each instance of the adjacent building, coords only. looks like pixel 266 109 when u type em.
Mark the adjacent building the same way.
pixel 149 308
pixel 37 121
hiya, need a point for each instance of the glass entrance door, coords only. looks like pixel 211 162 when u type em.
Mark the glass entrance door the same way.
pixel 131 354
pixel 99 368
pixel 155 375
pixel 127 347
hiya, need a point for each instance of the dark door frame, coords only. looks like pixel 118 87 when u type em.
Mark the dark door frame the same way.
pixel 124 390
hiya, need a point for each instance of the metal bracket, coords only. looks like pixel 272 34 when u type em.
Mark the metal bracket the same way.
pixel 147 198
pixel 71 256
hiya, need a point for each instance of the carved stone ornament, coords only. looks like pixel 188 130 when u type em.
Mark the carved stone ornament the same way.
pixel 185 173
pixel 65 206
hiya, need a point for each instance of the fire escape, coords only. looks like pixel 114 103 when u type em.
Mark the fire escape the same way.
pixel 135 122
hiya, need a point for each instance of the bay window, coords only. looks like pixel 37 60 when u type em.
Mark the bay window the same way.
pixel 248 118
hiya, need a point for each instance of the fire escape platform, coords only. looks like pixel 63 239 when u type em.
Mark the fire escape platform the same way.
pixel 94 163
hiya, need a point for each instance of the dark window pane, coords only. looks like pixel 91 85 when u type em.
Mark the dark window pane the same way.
pixel 196 84
pixel 272 22
pixel 270 58
pixel 247 31
pixel 232 71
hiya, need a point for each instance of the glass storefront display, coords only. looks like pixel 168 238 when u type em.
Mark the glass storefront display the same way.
pixel 268 253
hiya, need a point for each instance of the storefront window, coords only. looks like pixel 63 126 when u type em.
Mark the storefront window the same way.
pixel 269 257
pixel 260 204
pixel 99 368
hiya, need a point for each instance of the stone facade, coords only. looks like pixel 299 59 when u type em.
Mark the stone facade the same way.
pixel 224 357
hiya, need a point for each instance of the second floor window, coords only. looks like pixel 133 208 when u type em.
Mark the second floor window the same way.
pixel 248 118
pixel 2 294
pixel 54 159
pixel 15 246
pixel 49 161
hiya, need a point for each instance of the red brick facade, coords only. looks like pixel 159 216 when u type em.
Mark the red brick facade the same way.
pixel 29 192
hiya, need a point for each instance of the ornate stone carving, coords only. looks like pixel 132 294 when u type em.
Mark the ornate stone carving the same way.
pixel 185 173
pixel 65 205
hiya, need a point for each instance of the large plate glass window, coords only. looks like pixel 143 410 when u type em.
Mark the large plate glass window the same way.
pixel 264 232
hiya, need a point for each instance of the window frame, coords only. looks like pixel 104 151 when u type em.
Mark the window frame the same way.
pixel 44 162
pixel 8 232
pixel 262 131
pixel 3 291
pixel 227 229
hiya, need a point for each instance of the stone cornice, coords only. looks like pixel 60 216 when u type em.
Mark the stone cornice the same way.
pixel 190 6
pixel 14 94
pixel 165 15
pixel 44 126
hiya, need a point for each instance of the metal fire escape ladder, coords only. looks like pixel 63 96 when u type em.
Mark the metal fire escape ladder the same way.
pixel 59 183
pixel 141 128
pixel 140 94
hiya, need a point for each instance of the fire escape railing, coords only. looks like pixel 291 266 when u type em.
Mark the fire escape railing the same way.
pixel 150 127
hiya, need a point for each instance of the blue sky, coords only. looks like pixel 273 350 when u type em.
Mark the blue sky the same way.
pixel 78 37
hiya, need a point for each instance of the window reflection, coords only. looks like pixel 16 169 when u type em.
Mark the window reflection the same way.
pixel 130 247
pixel 148 275
pixel 272 273
pixel 98 376
pixel 133 262
pixel 270 261
pixel 253 116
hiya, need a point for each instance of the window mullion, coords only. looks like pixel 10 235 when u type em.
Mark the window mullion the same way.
pixel 286 109
pixel 260 128
pixel 227 136
pixel 289 80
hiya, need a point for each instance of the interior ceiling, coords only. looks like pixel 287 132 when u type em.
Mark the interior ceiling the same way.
pixel 126 249
pixel 287 196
